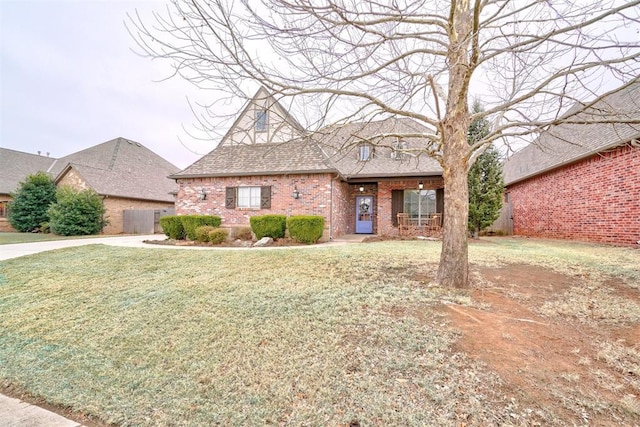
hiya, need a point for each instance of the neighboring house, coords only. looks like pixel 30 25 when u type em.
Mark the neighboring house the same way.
pixel 358 176
pixel 581 181
pixel 126 174
pixel 15 166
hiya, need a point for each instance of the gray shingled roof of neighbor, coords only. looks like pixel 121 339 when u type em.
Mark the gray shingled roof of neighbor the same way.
pixel 569 142
pixel 119 167
pixel 330 150
pixel 122 168
pixel 15 166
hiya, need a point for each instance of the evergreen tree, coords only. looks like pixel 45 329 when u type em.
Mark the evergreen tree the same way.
pixel 28 209
pixel 485 179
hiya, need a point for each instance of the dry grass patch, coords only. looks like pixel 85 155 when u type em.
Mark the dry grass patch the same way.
pixel 287 337
pixel 325 336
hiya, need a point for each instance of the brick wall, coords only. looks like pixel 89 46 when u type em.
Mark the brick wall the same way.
pixel 385 221
pixel 315 197
pixel 320 194
pixel 342 205
pixel 596 199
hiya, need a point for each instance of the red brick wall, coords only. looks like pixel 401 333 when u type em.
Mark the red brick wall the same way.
pixel 315 197
pixel 596 199
pixel 385 222
pixel 320 194
pixel 342 205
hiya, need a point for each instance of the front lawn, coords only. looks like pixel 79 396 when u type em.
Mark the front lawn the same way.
pixel 302 336
pixel 11 238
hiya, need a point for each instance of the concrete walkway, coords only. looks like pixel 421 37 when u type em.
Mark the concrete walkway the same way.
pixel 16 413
pixel 17 250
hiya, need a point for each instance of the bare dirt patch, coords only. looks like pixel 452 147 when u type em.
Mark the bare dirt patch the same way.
pixel 574 370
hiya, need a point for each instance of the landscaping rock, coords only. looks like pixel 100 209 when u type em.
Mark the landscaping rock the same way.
pixel 265 241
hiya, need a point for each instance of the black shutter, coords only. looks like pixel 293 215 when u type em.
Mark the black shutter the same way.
pixel 265 197
pixel 230 198
pixel 397 205
pixel 440 201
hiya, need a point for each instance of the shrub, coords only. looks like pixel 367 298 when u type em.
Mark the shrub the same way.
pixel 305 228
pixel 76 213
pixel 191 222
pixel 244 233
pixel 172 227
pixel 202 233
pixel 272 226
pixel 29 208
pixel 218 235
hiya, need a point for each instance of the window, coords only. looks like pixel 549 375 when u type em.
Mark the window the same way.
pixel 365 152
pixel 248 197
pixel 3 209
pixel 261 120
pixel 397 150
pixel 420 203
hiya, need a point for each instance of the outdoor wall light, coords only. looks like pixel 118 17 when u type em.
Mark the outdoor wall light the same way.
pixel 420 185
pixel 361 188
pixel 203 194
pixel 296 193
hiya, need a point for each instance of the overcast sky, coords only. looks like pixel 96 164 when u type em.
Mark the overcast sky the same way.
pixel 69 80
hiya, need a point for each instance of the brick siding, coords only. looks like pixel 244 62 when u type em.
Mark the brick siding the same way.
pixel 596 199
pixel 320 194
pixel 385 220
pixel 315 197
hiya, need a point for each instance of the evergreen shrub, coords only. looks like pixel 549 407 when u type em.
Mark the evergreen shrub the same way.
pixel 305 228
pixel 172 227
pixel 273 226
pixel 218 235
pixel 76 213
pixel 191 222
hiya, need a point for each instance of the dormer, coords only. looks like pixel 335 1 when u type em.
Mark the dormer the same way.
pixel 263 120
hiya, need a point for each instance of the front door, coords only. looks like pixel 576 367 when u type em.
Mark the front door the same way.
pixel 364 214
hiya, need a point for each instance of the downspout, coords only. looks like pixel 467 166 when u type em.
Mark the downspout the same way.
pixel 331 212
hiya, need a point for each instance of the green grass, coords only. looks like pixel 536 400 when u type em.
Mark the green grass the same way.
pixel 302 336
pixel 11 238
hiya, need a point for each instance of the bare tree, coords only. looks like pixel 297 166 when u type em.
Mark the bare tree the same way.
pixel 529 61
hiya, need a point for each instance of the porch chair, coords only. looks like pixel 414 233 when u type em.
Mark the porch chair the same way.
pixel 435 222
pixel 404 226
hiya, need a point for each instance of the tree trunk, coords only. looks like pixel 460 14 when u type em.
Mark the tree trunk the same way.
pixel 453 271
pixel 454 258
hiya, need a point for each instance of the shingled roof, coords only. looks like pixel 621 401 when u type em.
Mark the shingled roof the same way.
pixel 341 146
pixel 15 166
pixel 122 168
pixel 333 149
pixel 119 167
pixel 569 142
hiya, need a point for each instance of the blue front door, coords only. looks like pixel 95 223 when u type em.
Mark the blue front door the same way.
pixel 364 214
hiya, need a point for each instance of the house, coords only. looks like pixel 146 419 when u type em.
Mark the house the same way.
pixel 581 180
pixel 126 174
pixel 358 176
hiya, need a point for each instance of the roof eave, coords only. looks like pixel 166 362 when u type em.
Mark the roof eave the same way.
pixel 569 162
pixel 265 173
